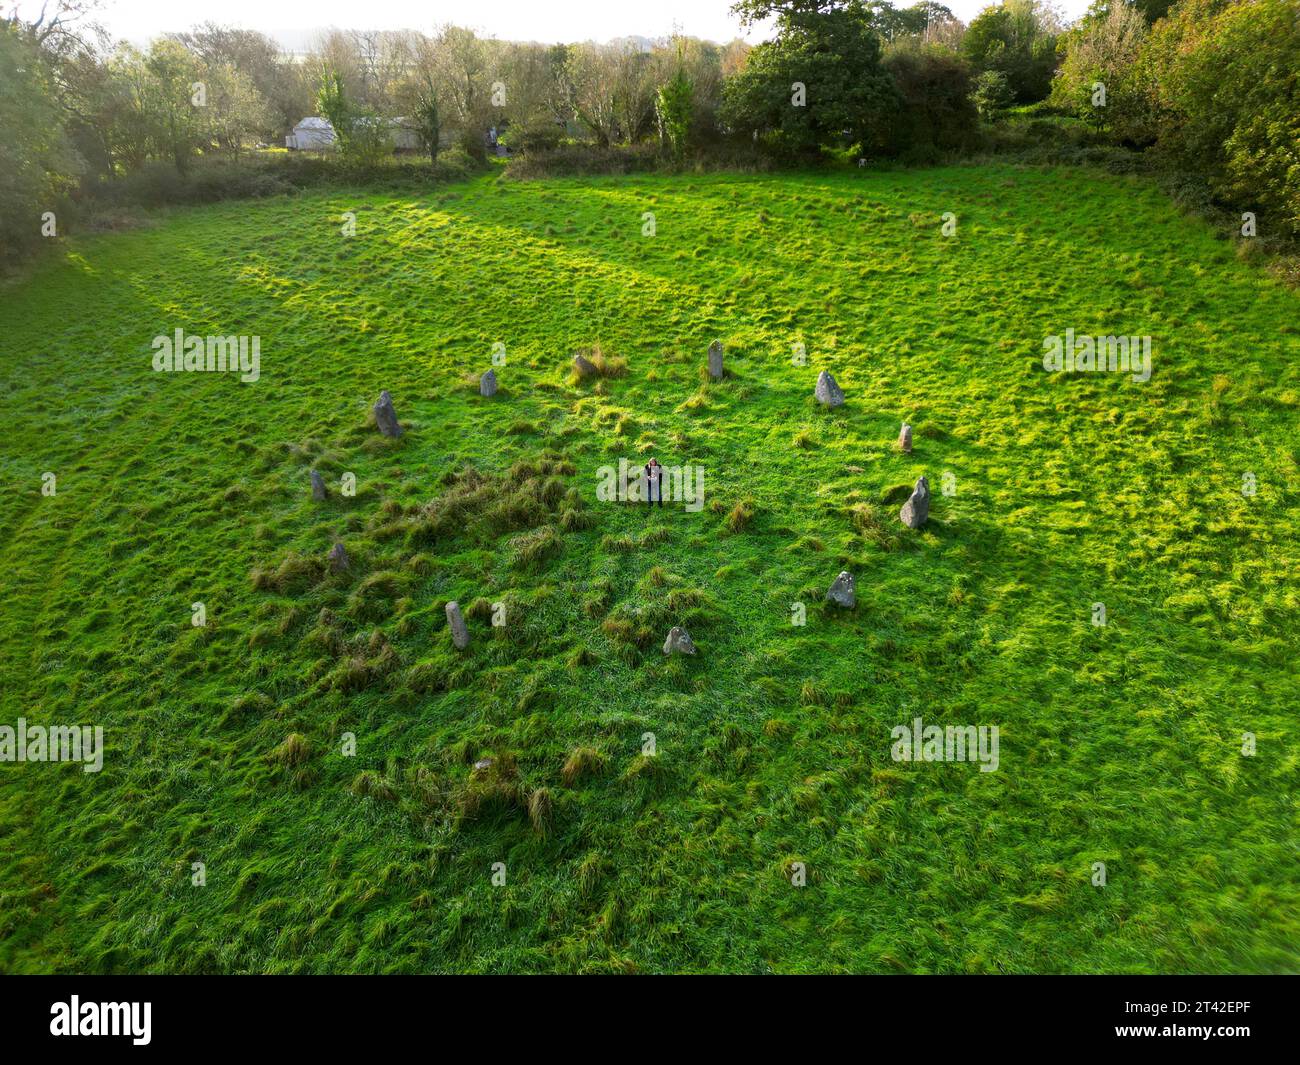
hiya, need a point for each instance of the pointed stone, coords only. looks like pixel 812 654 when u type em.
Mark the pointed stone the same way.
pixel 318 491
pixel 338 557
pixel 487 384
pixel 459 632
pixel 584 367
pixel 679 640
pixel 905 439
pixel 385 416
pixel 715 360
pixel 916 511
pixel 842 592
pixel 828 393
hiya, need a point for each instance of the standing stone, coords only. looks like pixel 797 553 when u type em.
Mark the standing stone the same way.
pixel 905 439
pixel 916 511
pixel 842 593
pixel 828 393
pixel 679 640
pixel 583 366
pixel 339 559
pixel 318 492
pixel 459 633
pixel 385 416
pixel 715 360
pixel 487 384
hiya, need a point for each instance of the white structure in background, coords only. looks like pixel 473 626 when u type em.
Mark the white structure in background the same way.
pixel 316 134
pixel 313 134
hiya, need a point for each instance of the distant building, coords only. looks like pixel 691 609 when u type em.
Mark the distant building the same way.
pixel 316 134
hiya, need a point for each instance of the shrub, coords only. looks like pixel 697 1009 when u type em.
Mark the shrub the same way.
pixel 937 114
pixel 1223 99
pixel 992 94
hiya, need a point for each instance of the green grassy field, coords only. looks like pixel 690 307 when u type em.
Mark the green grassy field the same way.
pixel 1119 744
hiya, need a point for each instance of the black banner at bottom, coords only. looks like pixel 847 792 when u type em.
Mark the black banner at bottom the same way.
pixel 149 1013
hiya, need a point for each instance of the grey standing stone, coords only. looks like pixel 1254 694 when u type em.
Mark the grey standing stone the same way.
pixel 916 511
pixel 715 360
pixel 459 633
pixel 385 416
pixel 828 392
pixel 842 592
pixel 583 366
pixel 679 640
pixel 339 559
pixel 318 492
pixel 905 438
pixel 487 384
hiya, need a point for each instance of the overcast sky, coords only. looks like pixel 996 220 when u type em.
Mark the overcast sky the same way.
pixel 532 20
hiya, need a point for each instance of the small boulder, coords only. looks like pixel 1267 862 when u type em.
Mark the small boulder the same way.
pixel 483 764
pixel 338 558
pixel 842 592
pixel 905 439
pixel 583 366
pixel 318 491
pixel 385 416
pixel 459 631
pixel 916 511
pixel 487 384
pixel 828 393
pixel 715 360
pixel 679 640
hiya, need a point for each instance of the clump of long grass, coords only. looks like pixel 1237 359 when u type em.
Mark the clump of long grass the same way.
pixel 582 762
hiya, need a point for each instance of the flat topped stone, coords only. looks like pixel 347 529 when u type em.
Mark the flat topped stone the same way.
pixel 916 511
pixel 828 393
pixel 338 559
pixel 318 491
pixel 679 641
pixel 584 366
pixel 715 360
pixel 484 763
pixel 487 384
pixel 459 631
pixel 905 438
pixel 385 416
pixel 842 591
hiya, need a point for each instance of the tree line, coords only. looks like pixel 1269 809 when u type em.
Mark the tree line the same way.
pixel 1211 85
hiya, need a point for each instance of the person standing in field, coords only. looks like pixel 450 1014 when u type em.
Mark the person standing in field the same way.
pixel 654 483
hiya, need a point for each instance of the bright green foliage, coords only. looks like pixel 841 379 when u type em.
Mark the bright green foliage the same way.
pixel 1119 744
pixel 1101 50
pixel 674 106
pixel 1016 39
pixel 818 84
pixel 1223 85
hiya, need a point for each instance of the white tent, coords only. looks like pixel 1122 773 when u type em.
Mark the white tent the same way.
pixel 311 134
